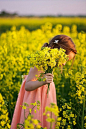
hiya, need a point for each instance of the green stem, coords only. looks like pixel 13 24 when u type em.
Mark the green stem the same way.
pixel 49 70
pixel 33 107
pixel 9 107
pixel 51 125
pixel 51 122
pixel 48 88
pixel 20 124
pixel 76 112
pixel 24 114
pixel 29 112
pixel 82 124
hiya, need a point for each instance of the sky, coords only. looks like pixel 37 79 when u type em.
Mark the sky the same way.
pixel 44 7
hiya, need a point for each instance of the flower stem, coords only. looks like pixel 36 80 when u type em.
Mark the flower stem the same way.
pixel 49 70
pixel 83 114
pixel 51 122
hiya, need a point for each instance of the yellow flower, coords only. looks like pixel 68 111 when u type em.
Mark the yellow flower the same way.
pixel 35 111
pixel 48 119
pixel 85 118
pixel 68 118
pixel 4 111
pixel 64 121
pixel 34 104
pixel 58 123
pixel 1 99
pixel 3 116
pixel 74 123
pixel 3 123
pixel 59 118
pixel 38 126
pixel 35 121
pixel 81 101
pixel 85 125
pixel 24 107
pixel 68 127
pixel 64 113
pixel 68 107
pixel 60 109
pixel 29 117
pixel 8 126
pixel 27 122
pixel 48 114
pixel 44 113
pixel 71 115
pixel 63 106
pixel 45 128
pixel 30 110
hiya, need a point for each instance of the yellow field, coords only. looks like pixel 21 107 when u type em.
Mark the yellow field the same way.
pixel 35 23
pixel 16 45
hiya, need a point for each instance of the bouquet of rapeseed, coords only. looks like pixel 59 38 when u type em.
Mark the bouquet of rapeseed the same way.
pixel 47 59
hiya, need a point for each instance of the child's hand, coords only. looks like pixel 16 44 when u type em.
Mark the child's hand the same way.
pixel 49 78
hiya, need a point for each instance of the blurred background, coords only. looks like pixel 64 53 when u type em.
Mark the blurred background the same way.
pixel 25 25
pixel 12 10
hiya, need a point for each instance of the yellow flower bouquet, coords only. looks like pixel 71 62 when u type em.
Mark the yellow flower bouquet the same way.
pixel 46 59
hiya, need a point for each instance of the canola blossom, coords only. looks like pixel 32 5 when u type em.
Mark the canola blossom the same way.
pixel 4 119
pixel 29 121
pixel 47 59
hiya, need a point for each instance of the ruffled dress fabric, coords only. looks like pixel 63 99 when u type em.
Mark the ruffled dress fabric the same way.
pixel 39 94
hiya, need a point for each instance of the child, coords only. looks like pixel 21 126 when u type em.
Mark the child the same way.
pixel 32 90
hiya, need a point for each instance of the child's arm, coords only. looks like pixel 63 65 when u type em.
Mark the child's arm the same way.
pixel 32 85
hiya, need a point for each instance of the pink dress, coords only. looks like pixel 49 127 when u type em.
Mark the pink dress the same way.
pixel 38 94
